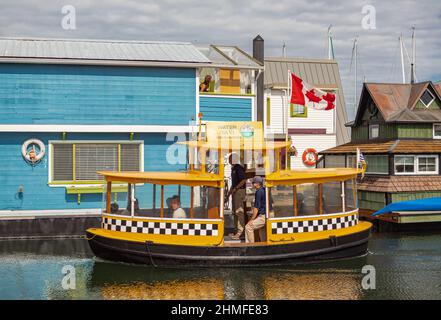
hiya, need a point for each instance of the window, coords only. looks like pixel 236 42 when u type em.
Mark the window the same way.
pixel 416 164
pixel 374 131
pixel 427 164
pixel 80 161
pixel 299 111
pixel 427 98
pixel 404 164
pixel 377 164
pixel 351 161
pixel 437 131
pixel 335 161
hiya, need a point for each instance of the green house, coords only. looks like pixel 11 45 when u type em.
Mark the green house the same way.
pixel 398 129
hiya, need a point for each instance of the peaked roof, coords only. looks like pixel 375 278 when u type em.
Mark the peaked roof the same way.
pixel 396 101
pixel 322 73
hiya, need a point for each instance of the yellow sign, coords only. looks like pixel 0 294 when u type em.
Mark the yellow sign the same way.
pixel 244 131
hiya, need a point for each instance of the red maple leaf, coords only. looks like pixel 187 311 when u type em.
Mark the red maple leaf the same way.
pixel 312 97
pixel 329 98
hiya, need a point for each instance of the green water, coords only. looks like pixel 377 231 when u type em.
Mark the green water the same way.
pixel 408 266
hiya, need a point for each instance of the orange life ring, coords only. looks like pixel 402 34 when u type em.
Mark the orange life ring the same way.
pixel 310 157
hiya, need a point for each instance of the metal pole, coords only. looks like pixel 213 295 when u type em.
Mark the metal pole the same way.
pixel 402 59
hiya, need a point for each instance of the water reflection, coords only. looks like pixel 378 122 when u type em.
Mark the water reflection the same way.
pixel 407 267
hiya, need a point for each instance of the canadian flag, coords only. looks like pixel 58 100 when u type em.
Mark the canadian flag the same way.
pixel 306 95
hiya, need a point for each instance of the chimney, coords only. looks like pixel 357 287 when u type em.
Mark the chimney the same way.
pixel 259 54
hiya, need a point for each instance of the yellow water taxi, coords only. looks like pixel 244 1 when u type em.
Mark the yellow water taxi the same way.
pixel 311 215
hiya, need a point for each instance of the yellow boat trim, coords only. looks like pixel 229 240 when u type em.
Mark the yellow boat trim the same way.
pixel 192 178
pixel 318 175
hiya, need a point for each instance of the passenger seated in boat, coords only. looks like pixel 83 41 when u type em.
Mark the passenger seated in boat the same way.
pixel 178 212
pixel 257 220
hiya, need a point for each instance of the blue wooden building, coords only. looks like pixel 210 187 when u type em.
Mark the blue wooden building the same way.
pixel 106 105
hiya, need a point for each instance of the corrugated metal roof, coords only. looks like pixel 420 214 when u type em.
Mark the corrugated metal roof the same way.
pixel 396 102
pixel 101 50
pixel 319 72
pixel 230 57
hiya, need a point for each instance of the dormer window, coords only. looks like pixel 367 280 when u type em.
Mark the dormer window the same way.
pixel 374 131
pixel 427 98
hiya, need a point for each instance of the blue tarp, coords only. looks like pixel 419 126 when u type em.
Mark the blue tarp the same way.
pixel 430 204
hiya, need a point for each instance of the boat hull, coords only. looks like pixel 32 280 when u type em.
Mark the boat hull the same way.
pixel 332 248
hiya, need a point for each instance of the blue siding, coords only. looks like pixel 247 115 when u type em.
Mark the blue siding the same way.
pixel 226 109
pixel 15 172
pixel 61 94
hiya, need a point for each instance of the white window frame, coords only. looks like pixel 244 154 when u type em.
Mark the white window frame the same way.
pixel 370 131
pixel 433 98
pixel 433 133
pixel 55 184
pixel 415 165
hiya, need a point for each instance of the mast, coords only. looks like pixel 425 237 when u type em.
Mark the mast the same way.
pixel 412 64
pixel 402 58
pixel 355 58
pixel 284 50
pixel 331 55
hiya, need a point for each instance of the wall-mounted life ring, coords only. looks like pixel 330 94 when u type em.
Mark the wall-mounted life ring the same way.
pixel 310 157
pixel 32 155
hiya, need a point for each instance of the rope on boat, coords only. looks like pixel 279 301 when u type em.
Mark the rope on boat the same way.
pixel 150 254
pixel 89 239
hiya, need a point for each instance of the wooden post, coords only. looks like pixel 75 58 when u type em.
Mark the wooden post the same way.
pixel 343 196
pixel 294 201
pixel 320 187
pixel 108 196
pixel 154 197
pixel 162 201
pixel 191 201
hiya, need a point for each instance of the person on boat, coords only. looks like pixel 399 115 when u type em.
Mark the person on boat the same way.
pixel 178 212
pixel 237 190
pixel 257 220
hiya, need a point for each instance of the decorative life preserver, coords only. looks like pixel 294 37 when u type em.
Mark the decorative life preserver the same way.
pixel 310 157
pixel 32 156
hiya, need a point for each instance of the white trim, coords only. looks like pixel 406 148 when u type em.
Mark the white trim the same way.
pixel 238 96
pixel 33 214
pixel 433 131
pixel 376 125
pixel 433 98
pixel 198 102
pixel 323 216
pixel 415 164
pixel 94 128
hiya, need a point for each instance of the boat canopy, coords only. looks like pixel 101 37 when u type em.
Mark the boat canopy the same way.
pixel 191 178
pixel 430 204
pixel 319 175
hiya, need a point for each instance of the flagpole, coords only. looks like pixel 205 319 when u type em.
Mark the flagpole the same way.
pixel 286 118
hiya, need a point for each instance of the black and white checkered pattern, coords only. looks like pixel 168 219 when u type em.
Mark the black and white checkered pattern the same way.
pixel 287 227
pixel 164 228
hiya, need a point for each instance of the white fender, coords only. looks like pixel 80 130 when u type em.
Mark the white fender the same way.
pixel 38 156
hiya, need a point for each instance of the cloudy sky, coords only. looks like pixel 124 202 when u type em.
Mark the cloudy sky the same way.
pixel 301 24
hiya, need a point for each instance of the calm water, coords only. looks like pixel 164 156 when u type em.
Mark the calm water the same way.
pixel 407 267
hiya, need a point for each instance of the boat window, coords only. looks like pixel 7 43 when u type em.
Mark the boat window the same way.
pixel 350 195
pixel 332 197
pixel 282 200
pixel 170 202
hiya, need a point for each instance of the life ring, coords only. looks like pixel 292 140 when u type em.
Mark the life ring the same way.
pixel 32 156
pixel 310 157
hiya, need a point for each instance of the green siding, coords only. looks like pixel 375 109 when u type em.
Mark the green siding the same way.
pixel 377 164
pixel 359 133
pixel 435 105
pixel 371 200
pixel 406 196
pixel 415 130
pixel 388 131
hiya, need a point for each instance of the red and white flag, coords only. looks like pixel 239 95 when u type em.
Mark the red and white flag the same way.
pixel 306 95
